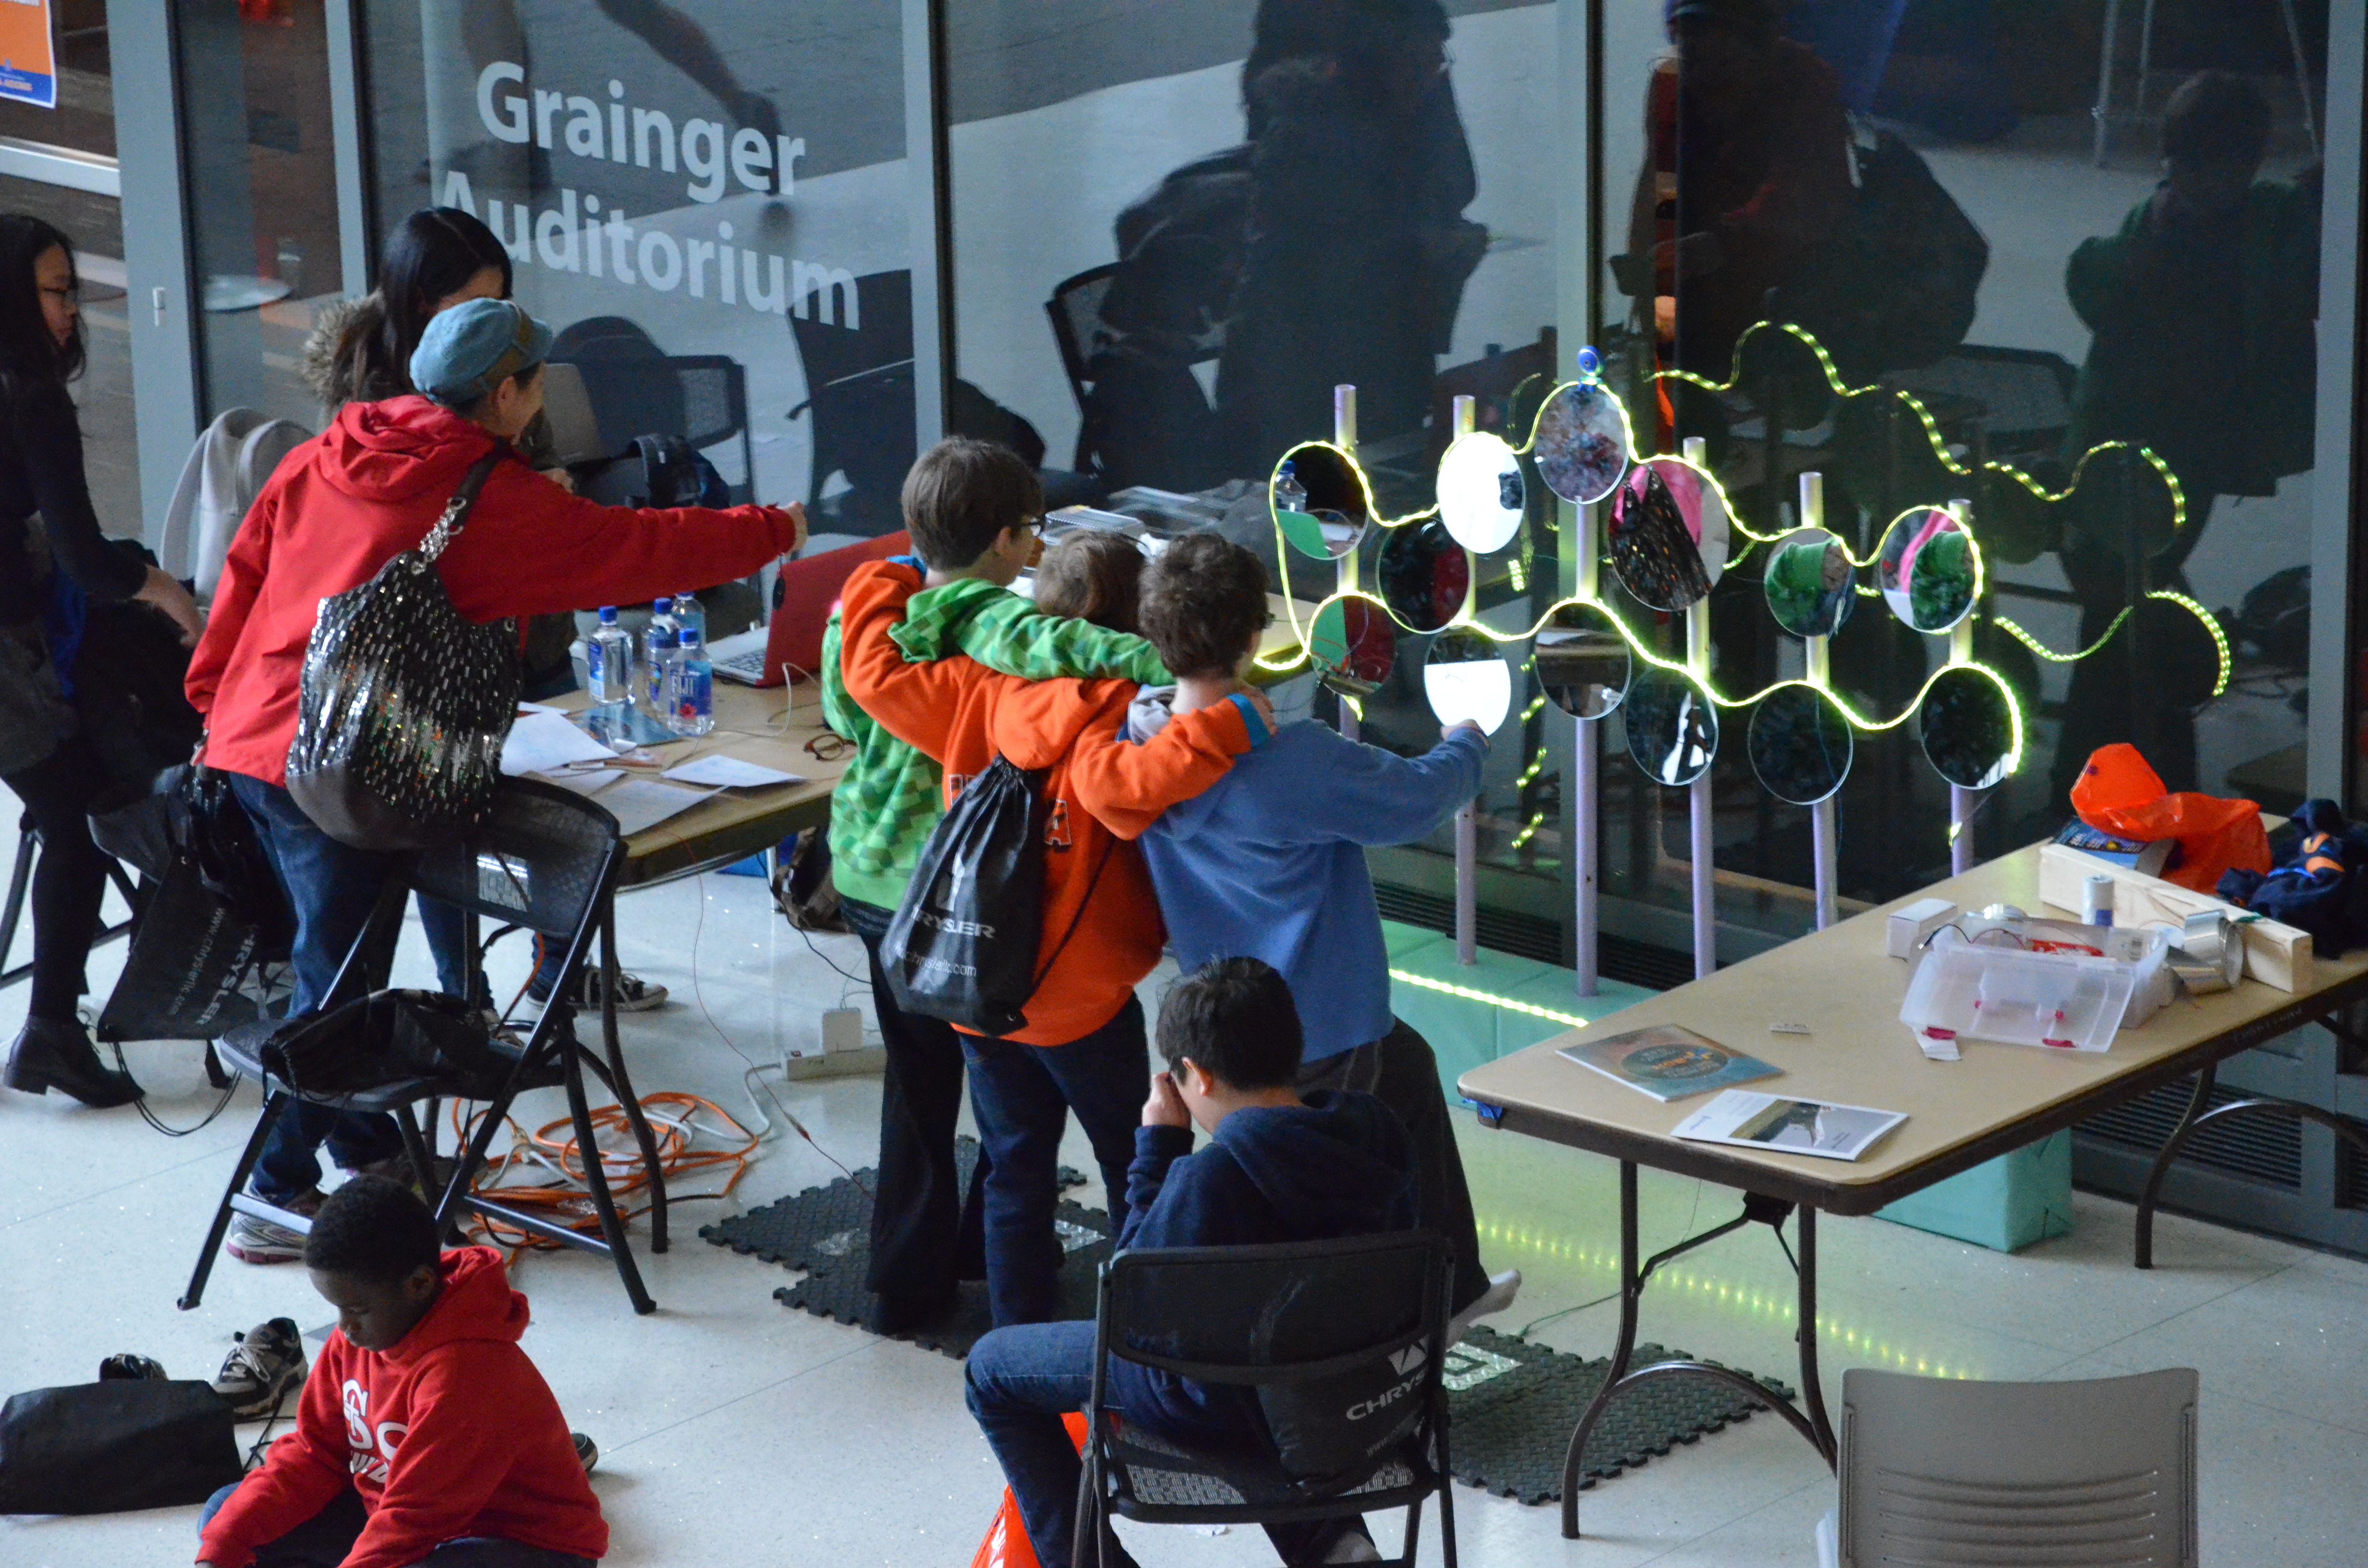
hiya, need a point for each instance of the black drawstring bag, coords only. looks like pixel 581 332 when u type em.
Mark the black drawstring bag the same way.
pixel 404 706
pixel 110 1446
pixel 963 947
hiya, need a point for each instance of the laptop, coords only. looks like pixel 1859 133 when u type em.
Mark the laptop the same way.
pixel 790 646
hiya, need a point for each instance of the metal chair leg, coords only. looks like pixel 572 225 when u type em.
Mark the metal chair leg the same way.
pixel 20 881
pixel 622 1083
pixel 604 1203
pixel 272 1106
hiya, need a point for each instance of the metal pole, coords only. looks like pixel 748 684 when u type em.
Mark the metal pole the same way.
pixel 1344 436
pixel 1699 798
pixel 1817 658
pixel 1587 767
pixel 2103 111
pixel 1467 817
pixel 1963 802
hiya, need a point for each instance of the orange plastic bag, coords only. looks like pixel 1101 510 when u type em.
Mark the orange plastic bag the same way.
pixel 2118 793
pixel 1006 1544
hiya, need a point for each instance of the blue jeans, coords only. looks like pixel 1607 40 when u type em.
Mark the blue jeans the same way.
pixel 1019 1383
pixel 326 1538
pixel 332 887
pixel 447 928
pixel 1020 1095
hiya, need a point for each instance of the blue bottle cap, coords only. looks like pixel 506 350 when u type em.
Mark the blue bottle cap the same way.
pixel 1589 361
pixel 608 614
pixel 661 605
pixel 688 638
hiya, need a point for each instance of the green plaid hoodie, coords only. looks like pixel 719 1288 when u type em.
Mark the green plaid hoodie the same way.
pixel 891 796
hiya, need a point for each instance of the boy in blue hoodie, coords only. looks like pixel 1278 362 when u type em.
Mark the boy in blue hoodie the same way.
pixel 1270 861
pixel 1280 1166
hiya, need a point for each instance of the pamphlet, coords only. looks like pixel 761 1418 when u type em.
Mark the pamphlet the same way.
pixel 1668 1062
pixel 1796 1127
pixel 728 773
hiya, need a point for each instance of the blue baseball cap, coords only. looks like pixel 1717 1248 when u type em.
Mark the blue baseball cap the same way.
pixel 472 349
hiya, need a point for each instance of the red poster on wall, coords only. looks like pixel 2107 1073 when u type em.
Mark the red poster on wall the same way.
pixel 28 69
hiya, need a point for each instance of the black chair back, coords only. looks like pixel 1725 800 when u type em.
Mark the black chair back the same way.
pixel 1339 1340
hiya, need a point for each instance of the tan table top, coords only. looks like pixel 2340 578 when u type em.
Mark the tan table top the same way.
pixel 1840 983
pixel 769 728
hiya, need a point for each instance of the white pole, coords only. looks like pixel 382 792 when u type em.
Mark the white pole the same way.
pixel 1467 818
pixel 1705 886
pixel 1587 767
pixel 1344 436
pixel 1817 655
pixel 1962 804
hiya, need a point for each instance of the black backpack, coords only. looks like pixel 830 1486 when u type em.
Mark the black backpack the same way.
pixel 963 947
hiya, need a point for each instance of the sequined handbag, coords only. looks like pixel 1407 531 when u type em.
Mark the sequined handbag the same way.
pixel 404 705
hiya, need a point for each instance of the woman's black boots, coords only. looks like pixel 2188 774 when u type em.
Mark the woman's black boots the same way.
pixel 55 1053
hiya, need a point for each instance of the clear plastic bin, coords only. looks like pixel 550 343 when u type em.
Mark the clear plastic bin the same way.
pixel 2060 1000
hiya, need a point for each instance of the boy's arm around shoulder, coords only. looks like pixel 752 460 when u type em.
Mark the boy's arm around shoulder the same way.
pixel 1127 786
pixel 913 702
pixel 1011 636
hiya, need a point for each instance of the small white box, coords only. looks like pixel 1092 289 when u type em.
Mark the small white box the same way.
pixel 1909 928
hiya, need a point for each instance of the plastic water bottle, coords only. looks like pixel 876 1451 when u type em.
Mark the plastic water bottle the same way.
pixel 690 615
pixel 609 660
pixel 1289 495
pixel 690 686
pixel 658 642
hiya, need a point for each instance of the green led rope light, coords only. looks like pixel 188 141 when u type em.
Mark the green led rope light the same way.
pixel 1469 994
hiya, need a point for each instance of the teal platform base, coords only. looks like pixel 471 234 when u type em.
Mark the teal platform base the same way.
pixel 2005 1205
pixel 1492 1007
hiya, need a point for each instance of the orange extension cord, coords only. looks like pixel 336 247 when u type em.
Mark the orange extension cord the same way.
pixel 674 1120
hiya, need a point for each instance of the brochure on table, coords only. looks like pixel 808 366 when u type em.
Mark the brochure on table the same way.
pixel 1668 1062
pixel 1750 1120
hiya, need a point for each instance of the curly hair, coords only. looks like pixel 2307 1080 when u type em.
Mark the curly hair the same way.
pixel 1204 605
pixel 372 1229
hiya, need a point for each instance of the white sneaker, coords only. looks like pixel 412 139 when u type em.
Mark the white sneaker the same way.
pixel 1502 1289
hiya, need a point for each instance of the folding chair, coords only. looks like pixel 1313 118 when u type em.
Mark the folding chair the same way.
pixel 20 884
pixel 1342 1343
pixel 547 861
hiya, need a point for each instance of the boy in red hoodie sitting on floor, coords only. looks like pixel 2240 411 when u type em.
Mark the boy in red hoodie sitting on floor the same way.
pixel 426 1437
pixel 975 510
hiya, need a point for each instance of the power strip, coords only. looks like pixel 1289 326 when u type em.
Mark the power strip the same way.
pixel 843 1052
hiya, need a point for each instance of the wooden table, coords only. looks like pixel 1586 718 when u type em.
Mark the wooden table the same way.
pixel 1842 986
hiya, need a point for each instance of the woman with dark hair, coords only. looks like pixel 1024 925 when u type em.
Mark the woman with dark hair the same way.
pixel 360 349
pixel 52 572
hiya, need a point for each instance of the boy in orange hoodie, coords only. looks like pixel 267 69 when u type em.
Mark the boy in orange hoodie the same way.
pixel 1083 1047
pixel 426 1436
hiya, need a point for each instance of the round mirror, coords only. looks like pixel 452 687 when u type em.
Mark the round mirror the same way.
pixel 1583 662
pixel 1466 676
pixel 1354 644
pixel 1426 575
pixel 1800 744
pixel 1672 728
pixel 1928 569
pixel 1667 533
pixel 1481 496
pixel 1809 584
pixel 1322 505
pixel 1972 733
pixel 1581 446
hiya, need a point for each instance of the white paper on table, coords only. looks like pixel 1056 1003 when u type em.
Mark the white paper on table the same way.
pixel 728 773
pixel 583 781
pixel 1780 1124
pixel 544 742
pixel 639 803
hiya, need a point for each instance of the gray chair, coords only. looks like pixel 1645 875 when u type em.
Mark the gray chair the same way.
pixel 1942 1472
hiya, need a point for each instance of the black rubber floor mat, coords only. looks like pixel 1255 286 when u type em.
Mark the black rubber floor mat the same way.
pixel 1513 1407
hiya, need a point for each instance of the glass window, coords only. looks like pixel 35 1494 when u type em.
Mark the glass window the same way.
pixel 707 201
pixel 2061 263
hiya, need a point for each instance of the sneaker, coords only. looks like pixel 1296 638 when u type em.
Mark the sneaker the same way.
pixel 634 994
pixel 268 1361
pixel 254 1240
pixel 123 1367
pixel 1502 1289
pixel 587 1452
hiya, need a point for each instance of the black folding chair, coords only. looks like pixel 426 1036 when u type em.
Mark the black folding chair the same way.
pixel 547 861
pixel 1341 1342
pixel 20 884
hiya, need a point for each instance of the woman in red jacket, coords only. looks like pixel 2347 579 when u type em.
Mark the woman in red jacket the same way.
pixel 339 508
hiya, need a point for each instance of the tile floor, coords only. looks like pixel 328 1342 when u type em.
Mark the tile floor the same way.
pixel 736 1432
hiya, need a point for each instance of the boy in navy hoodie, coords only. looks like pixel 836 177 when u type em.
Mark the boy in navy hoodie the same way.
pixel 1270 861
pixel 1280 1166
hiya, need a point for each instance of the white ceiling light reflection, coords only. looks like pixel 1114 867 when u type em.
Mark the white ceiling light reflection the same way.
pixel 1482 497
pixel 1467 679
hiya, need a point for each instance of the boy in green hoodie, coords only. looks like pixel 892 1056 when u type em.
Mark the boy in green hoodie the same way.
pixel 973 514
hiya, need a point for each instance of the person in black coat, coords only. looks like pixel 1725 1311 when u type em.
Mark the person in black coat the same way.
pixel 56 568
